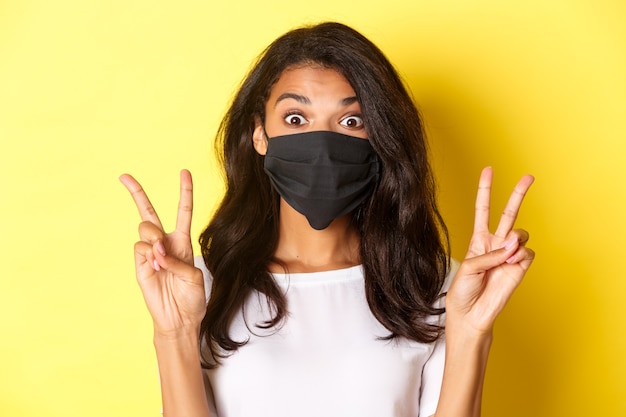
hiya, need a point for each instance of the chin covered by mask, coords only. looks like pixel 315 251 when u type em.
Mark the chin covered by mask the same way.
pixel 323 175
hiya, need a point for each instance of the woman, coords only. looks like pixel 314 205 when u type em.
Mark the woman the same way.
pixel 325 265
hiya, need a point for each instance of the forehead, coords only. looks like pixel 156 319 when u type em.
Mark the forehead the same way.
pixel 311 79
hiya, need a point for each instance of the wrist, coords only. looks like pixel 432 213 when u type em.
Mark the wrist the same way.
pixel 179 337
pixel 180 370
pixel 183 350
pixel 467 338
pixel 467 353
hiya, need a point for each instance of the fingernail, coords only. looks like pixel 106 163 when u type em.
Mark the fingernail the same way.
pixel 160 248
pixel 156 265
pixel 508 244
pixel 511 260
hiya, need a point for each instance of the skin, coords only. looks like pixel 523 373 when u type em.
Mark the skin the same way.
pixel 306 99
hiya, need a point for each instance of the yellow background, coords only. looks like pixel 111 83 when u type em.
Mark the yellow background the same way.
pixel 92 89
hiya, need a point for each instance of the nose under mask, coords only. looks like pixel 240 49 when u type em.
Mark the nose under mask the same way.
pixel 322 174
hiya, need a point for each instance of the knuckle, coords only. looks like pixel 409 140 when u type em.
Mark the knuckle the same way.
pixel 185 206
pixel 142 247
pixel 526 253
pixel 510 213
pixel 521 234
pixel 149 230
pixel 197 275
pixel 149 209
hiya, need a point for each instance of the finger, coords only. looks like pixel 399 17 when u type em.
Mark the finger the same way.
pixel 509 215
pixel 520 235
pixel 523 257
pixel 185 204
pixel 144 256
pixel 150 232
pixel 176 266
pixel 527 260
pixel 482 263
pixel 146 210
pixel 483 197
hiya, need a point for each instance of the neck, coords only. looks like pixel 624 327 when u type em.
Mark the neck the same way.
pixel 303 249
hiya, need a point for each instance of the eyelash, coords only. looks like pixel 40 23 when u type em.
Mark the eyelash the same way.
pixel 293 113
pixel 353 116
pixel 341 122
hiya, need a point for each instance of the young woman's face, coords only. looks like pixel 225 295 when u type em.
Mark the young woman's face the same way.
pixel 310 98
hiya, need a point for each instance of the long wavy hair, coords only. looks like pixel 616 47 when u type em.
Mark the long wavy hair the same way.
pixel 404 242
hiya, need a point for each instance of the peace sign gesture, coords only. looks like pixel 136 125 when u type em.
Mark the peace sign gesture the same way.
pixel 494 265
pixel 172 287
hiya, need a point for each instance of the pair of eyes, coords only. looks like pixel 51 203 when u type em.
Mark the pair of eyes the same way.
pixel 349 122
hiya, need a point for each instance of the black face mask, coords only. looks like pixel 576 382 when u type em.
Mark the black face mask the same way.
pixel 323 175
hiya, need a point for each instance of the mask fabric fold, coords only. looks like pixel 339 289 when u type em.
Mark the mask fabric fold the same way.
pixel 322 175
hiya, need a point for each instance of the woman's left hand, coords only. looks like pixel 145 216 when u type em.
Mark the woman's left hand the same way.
pixel 494 265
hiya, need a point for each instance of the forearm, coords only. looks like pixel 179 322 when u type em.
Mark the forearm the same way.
pixel 464 374
pixel 182 386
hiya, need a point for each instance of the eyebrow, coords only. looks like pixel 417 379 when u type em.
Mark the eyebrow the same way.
pixel 305 100
pixel 297 97
pixel 349 100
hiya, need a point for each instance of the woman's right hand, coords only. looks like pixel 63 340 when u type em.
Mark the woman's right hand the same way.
pixel 172 287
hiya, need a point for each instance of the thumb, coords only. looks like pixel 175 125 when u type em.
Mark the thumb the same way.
pixel 482 263
pixel 176 266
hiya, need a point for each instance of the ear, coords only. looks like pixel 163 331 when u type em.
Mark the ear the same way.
pixel 259 140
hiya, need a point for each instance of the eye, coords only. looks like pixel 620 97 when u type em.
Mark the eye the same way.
pixel 351 122
pixel 295 119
